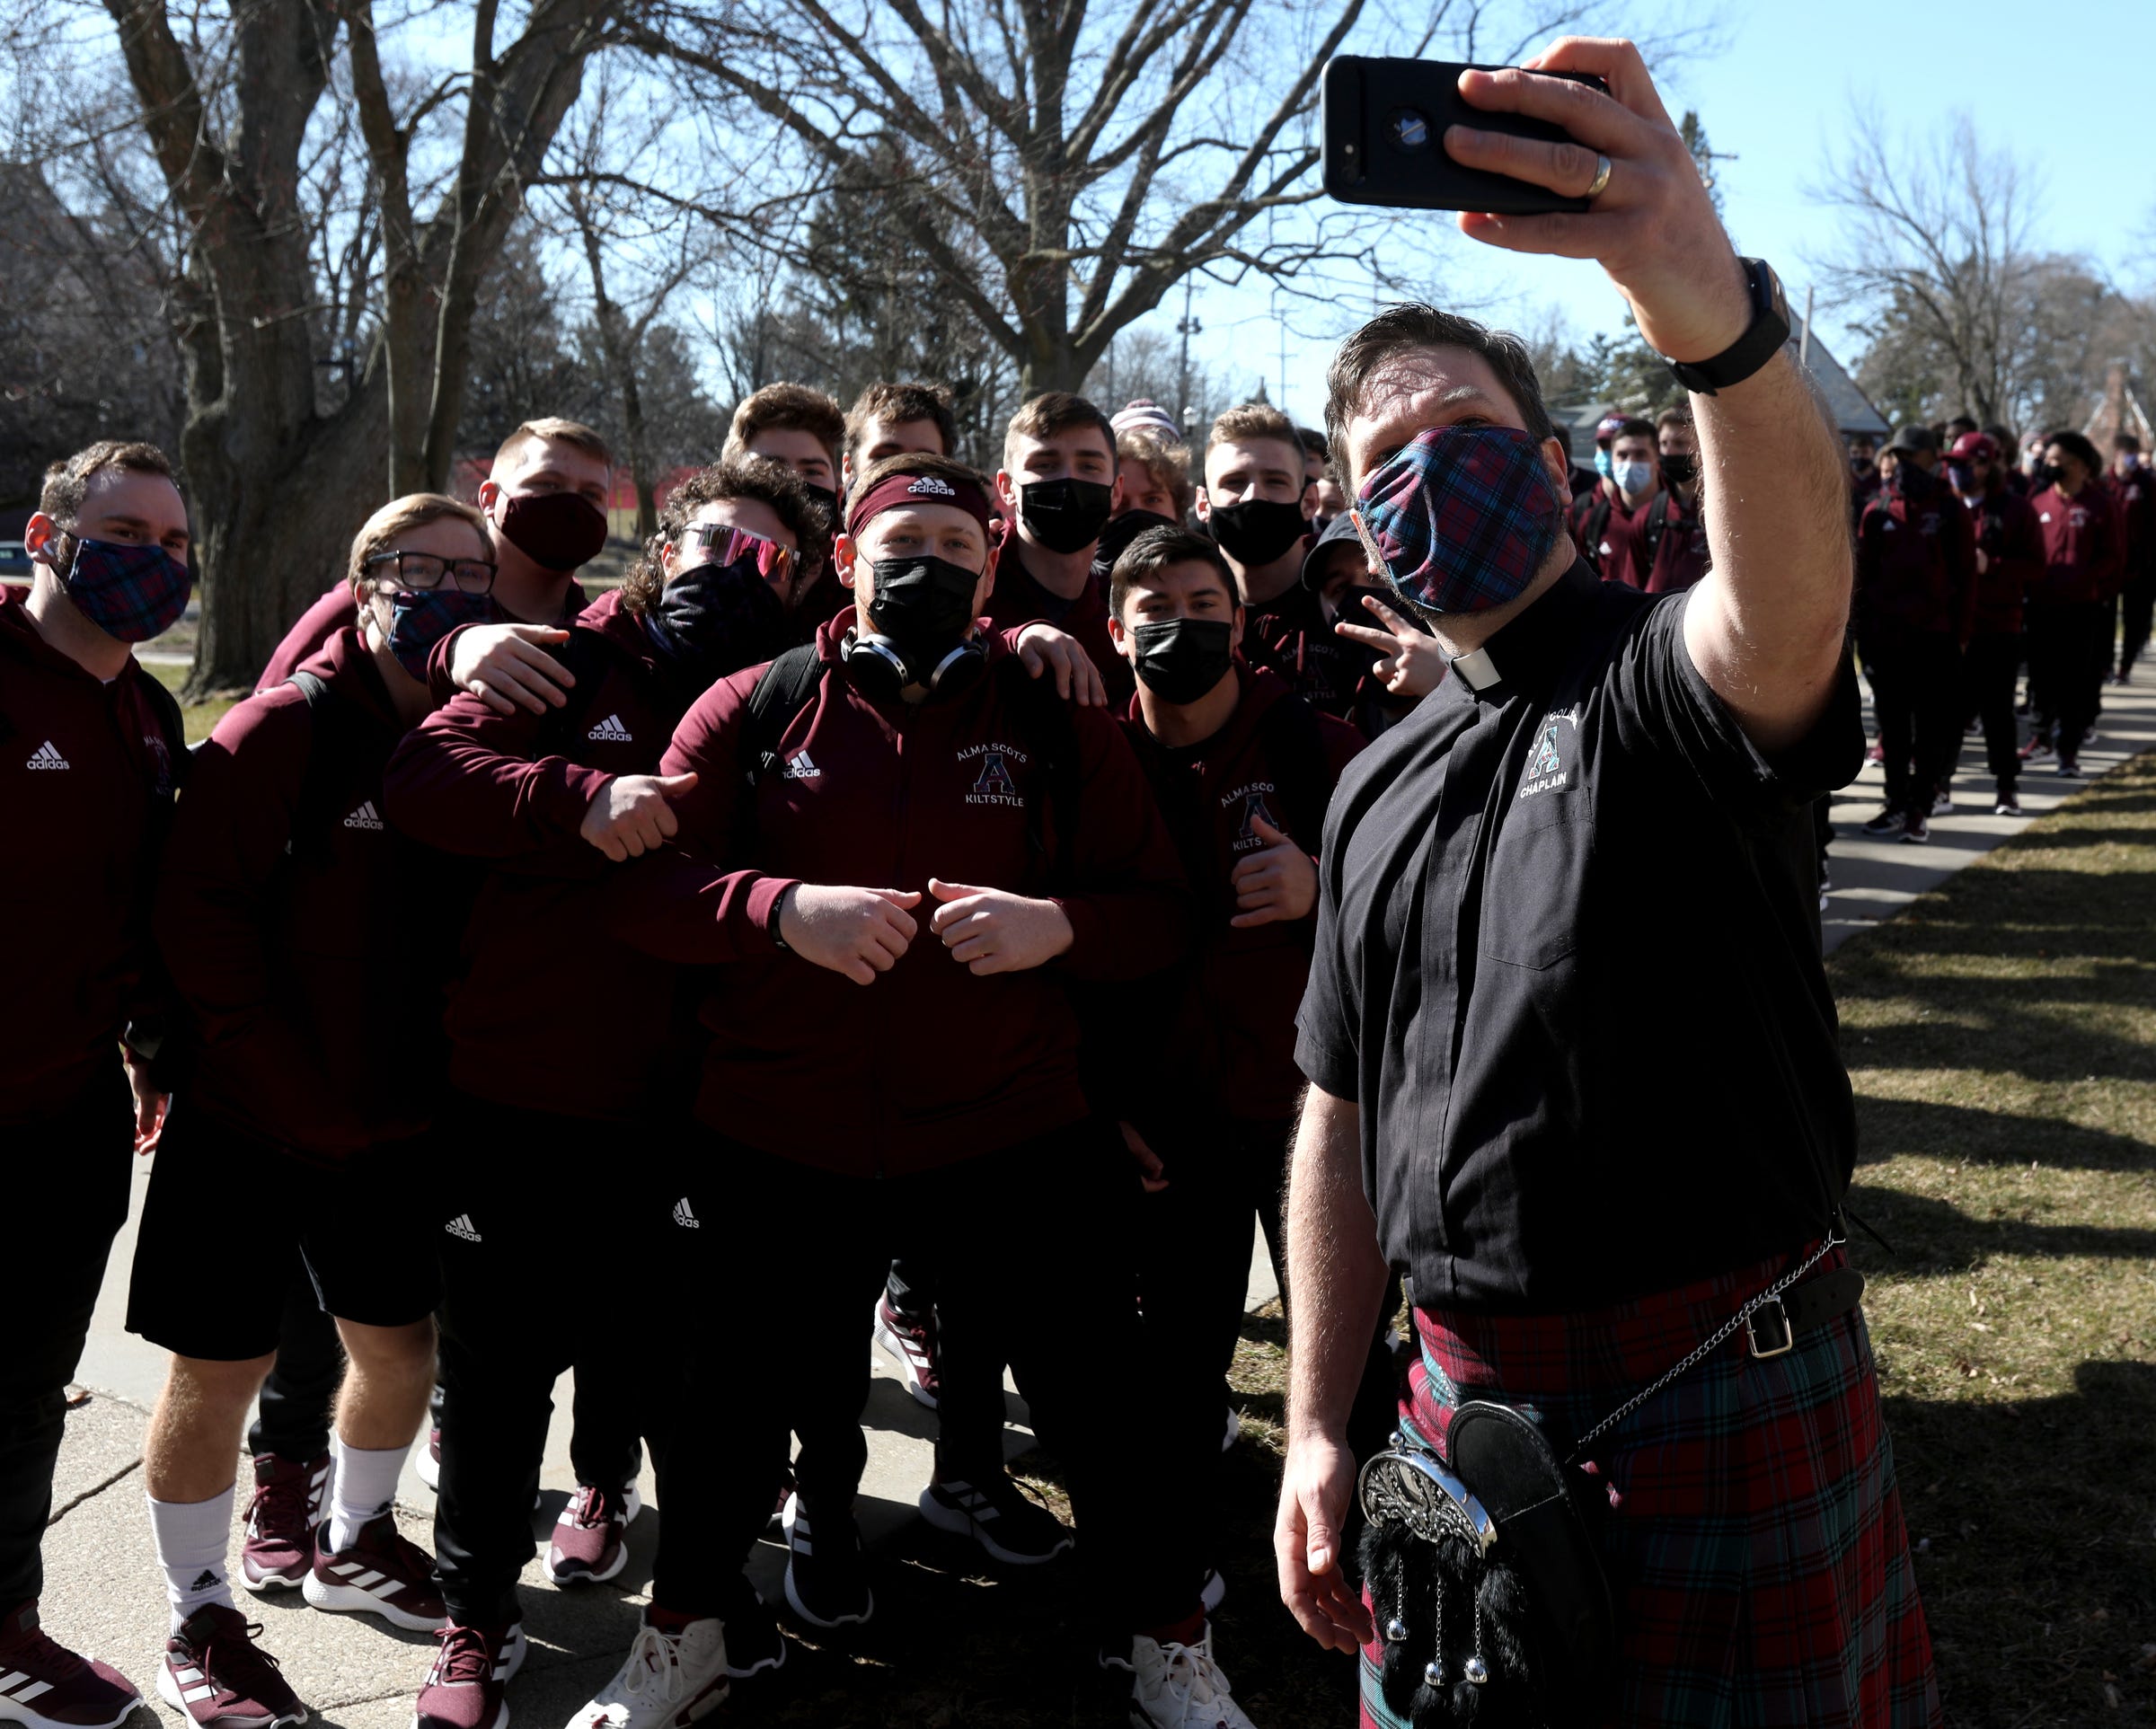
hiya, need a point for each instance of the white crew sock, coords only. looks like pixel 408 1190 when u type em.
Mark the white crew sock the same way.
pixel 193 1539
pixel 363 1484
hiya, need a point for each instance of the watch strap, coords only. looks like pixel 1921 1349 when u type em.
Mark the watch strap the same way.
pixel 1762 339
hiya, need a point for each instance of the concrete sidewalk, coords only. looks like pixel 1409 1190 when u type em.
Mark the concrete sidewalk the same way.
pixel 103 1593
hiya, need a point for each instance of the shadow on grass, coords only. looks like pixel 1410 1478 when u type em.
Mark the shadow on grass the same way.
pixel 2037 1549
pixel 1931 1236
pixel 1961 1133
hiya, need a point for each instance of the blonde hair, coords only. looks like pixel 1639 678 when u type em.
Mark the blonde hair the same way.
pixel 1250 420
pixel 553 429
pixel 379 532
pixel 1167 465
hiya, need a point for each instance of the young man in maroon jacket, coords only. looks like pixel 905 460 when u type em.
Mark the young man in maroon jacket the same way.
pixel 1671 553
pixel 1606 525
pixel 2136 487
pixel 2010 562
pixel 1058 486
pixel 304 939
pixel 90 746
pixel 914 762
pixel 1242 769
pixel 545 500
pixel 1914 607
pixel 2069 610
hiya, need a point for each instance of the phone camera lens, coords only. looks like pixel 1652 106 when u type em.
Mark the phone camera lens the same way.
pixel 1409 129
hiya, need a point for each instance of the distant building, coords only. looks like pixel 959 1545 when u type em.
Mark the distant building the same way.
pixel 2120 410
pixel 1853 410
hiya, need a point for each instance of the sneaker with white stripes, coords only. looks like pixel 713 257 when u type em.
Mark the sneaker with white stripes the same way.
pixel 589 1546
pixel 382 1573
pixel 1000 1516
pixel 43 1685
pixel 826 1574
pixel 216 1674
pixel 279 1543
pixel 913 1342
pixel 668 1681
pixel 466 1687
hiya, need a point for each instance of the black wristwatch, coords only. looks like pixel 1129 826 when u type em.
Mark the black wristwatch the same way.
pixel 1762 340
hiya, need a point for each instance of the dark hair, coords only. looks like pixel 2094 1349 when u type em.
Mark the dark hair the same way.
pixel 1634 427
pixel 789 408
pixel 2125 441
pixel 2009 445
pixel 1055 411
pixel 896 404
pixel 1966 422
pixel 68 482
pixel 1680 416
pixel 2079 447
pixel 1313 443
pixel 732 477
pixel 1403 329
pixel 1154 551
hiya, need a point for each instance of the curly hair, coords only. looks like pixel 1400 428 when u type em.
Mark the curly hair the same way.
pixel 732 477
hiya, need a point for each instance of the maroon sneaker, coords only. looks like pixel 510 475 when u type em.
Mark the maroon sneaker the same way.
pixel 279 1546
pixel 215 1673
pixel 913 1343
pixel 382 1573
pixel 46 1686
pixel 466 1687
pixel 588 1547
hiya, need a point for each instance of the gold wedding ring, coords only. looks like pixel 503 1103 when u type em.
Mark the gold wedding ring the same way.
pixel 1601 180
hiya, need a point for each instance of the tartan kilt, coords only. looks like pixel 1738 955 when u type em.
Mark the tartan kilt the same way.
pixel 1757 1556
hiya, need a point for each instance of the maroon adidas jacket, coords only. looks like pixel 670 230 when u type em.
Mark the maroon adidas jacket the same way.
pixel 1232 1027
pixel 512 790
pixel 86 776
pixel 1916 566
pixel 2136 494
pixel 1018 600
pixel 929 1065
pixel 1290 636
pixel 301 930
pixel 2084 546
pixel 2013 546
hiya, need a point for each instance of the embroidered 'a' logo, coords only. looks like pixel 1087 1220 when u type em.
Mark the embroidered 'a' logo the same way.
pixel 994 777
pixel 1546 758
pixel 1254 810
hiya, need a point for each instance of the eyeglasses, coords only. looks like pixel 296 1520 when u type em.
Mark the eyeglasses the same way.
pixel 429 569
pixel 727 545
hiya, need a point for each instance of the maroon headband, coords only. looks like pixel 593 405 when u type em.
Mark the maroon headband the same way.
pixel 896 491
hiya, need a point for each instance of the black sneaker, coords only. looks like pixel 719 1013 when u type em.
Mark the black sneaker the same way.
pixel 2070 768
pixel 1915 830
pixel 2008 805
pixel 1887 822
pixel 826 1574
pixel 1000 1516
pixel 753 1643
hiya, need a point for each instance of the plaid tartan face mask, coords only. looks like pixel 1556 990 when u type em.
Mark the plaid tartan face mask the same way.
pixel 130 593
pixel 1461 518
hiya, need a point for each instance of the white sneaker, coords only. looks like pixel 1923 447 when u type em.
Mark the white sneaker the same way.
pixel 1233 1433
pixel 1181 1687
pixel 668 1681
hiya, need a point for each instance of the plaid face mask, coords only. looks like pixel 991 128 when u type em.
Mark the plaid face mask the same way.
pixel 1462 518
pixel 131 593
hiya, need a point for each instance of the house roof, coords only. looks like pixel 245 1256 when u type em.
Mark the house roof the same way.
pixel 1852 410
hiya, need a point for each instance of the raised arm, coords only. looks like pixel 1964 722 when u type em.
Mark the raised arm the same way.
pixel 1766 628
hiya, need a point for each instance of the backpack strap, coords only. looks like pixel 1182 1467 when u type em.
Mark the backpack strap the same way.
pixel 1295 750
pixel 1598 525
pixel 782 691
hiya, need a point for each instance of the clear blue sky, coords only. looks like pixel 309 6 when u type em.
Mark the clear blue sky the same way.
pixel 2072 89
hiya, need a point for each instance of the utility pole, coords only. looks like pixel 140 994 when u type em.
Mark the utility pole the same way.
pixel 1187 325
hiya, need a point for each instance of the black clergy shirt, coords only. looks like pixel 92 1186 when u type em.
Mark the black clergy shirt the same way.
pixel 1568 964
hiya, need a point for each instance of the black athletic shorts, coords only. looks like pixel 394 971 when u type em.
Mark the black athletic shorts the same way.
pixel 228 1220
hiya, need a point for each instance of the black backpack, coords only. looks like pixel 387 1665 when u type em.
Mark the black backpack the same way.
pixel 1045 725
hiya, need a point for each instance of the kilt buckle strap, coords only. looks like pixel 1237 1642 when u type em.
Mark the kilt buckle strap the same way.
pixel 1779 1339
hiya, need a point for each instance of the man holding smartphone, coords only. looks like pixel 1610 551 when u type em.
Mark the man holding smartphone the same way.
pixel 1572 1228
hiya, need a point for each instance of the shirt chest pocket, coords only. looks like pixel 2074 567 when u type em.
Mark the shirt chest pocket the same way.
pixel 1535 894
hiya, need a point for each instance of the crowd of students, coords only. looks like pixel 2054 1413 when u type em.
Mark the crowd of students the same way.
pixel 512 934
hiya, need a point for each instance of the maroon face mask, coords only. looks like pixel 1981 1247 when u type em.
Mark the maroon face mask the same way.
pixel 558 530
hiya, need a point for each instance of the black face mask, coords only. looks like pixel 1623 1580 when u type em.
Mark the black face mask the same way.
pixel 1180 659
pixel 825 496
pixel 715 619
pixel 1912 481
pixel 2044 474
pixel 1064 516
pixel 1861 466
pixel 922 607
pixel 1117 537
pixel 1258 531
pixel 1680 468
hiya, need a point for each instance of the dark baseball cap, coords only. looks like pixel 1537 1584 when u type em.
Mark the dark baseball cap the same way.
pixel 1921 439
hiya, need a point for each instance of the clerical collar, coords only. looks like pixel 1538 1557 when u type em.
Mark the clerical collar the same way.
pixel 1478 670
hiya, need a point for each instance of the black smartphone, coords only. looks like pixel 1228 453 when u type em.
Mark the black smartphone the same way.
pixel 1384 125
